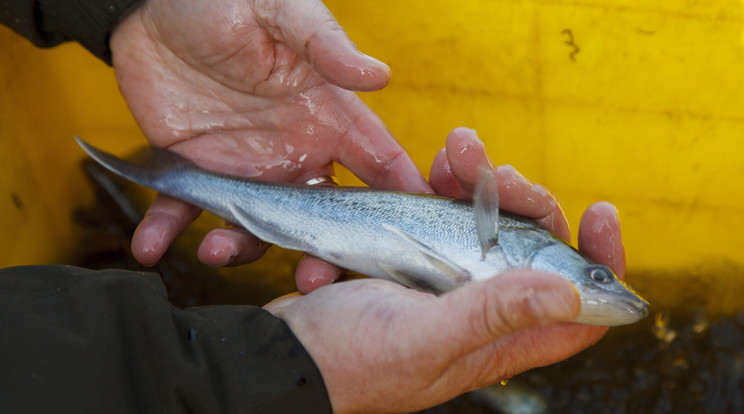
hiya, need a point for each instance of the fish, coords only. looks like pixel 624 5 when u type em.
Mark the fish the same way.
pixel 431 243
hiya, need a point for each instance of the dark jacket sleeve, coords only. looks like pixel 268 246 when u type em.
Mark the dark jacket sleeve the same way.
pixel 81 341
pixel 47 23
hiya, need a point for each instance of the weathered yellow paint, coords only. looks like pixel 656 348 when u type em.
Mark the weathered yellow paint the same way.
pixel 637 102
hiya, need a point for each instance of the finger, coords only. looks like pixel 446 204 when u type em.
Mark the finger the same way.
pixel 163 222
pixel 441 177
pixel 523 197
pixel 600 237
pixel 312 32
pixel 230 247
pixel 313 273
pixel 466 154
pixel 531 348
pixel 477 314
pixel 276 305
pixel 369 151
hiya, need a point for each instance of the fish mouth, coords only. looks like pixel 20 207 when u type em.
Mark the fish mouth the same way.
pixel 638 307
pixel 641 306
pixel 613 310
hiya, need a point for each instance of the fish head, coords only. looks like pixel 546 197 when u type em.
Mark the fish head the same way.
pixel 605 299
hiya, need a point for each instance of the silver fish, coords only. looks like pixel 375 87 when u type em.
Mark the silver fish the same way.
pixel 425 242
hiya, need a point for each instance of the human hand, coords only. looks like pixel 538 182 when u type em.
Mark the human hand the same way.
pixel 258 89
pixel 422 349
pixel 456 169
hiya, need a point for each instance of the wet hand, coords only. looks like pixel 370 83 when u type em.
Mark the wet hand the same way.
pixel 454 173
pixel 381 347
pixel 423 349
pixel 257 89
pixel 456 169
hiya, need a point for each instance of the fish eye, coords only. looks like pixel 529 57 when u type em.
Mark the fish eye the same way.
pixel 600 274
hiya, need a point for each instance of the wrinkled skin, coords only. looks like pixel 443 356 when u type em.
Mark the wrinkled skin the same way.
pixel 258 89
pixel 384 348
pixel 263 89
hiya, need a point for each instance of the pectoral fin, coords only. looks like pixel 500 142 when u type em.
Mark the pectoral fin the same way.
pixel 263 230
pixel 486 208
pixel 433 286
pixel 455 273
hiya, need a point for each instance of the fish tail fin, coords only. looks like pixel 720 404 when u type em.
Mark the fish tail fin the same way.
pixel 149 166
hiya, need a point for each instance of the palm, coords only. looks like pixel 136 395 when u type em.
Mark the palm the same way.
pixel 277 118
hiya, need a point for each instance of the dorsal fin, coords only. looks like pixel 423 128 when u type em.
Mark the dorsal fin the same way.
pixel 486 209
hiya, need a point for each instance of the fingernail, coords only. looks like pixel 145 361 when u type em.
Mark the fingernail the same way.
pixel 617 212
pixel 376 62
pixel 510 177
pixel 222 248
pixel 508 169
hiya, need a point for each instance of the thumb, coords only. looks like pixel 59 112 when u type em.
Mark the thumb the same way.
pixel 479 313
pixel 312 32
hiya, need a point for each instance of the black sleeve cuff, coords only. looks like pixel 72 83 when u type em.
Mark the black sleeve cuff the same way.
pixel 269 369
pixel 110 342
pixel 23 17
pixel 89 22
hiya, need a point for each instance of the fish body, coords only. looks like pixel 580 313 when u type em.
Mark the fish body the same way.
pixel 426 242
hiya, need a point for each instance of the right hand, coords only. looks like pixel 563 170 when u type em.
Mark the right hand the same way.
pixel 422 349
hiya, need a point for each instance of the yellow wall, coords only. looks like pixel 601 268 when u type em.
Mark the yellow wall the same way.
pixel 47 97
pixel 649 114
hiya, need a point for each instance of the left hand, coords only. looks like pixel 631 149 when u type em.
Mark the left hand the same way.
pixel 384 348
pixel 260 89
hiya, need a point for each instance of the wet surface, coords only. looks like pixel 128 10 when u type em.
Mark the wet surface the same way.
pixel 680 360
